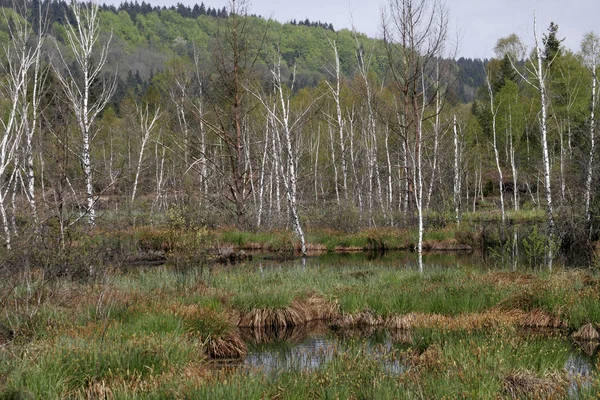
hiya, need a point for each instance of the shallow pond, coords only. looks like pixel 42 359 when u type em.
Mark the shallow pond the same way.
pixel 312 346
pixel 400 259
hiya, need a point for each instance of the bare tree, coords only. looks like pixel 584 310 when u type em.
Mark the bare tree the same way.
pixel 20 88
pixel 414 33
pixel 288 126
pixel 235 52
pixel 340 122
pixel 494 110
pixel 83 38
pixel 147 121
pixel 590 50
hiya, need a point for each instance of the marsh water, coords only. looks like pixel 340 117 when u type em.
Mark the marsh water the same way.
pixel 313 345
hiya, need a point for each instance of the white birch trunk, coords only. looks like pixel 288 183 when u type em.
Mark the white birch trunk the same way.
pixel 82 40
pixel 456 175
pixel 335 170
pixel 513 164
pixel 592 51
pixel 280 112
pixel 545 153
pixel 494 111
pixel 436 134
pixel 390 197
pixel 336 94
pixel 357 185
pixel 146 127
pixel 261 184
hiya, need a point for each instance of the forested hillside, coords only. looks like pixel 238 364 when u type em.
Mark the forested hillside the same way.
pixel 229 118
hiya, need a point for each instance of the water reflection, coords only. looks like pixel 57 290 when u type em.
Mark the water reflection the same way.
pixel 396 259
pixel 309 347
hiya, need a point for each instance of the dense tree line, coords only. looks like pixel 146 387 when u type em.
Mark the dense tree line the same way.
pixel 238 120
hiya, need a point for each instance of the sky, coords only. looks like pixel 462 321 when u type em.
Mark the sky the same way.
pixel 477 23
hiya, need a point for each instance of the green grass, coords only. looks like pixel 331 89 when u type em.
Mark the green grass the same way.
pixel 142 333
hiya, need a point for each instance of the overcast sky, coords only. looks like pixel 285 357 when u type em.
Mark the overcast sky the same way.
pixel 479 23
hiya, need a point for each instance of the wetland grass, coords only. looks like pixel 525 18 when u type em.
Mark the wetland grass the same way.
pixel 151 333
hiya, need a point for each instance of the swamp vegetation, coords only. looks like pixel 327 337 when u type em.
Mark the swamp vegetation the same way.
pixel 464 328
pixel 254 209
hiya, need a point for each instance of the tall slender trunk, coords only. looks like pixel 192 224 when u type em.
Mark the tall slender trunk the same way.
pixel 456 175
pixel 357 184
pixel 494 111
pixel 261 184
pixel 335 169
pixel 390 197
pixel 513 164
pixel 336 93
pixel 592 152
pixel 545 152
pixel 436 135
pixel 146 127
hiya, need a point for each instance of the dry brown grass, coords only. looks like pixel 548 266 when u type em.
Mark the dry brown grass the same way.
pixel 524 384
pixel 491 319
pixel 506 278
pixel 313 247
pixel 98 390
pixel 589 347
pixel 430 359
pixel 588 333
pixel 401 322
pixel 541 319
pixel 290 334
pixel 229 347
pixel 314 308
pixel 363 318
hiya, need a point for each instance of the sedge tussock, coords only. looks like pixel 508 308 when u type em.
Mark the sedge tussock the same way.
pixel 289 334
pixel 524 384
pixel 508 278
pixel 587 332
pixel 401 322
pixel 541 319
pixel 430 359
pixel 491 319
pixel 228 347
pixel 589 347
pixel 363 318
pixel 298 313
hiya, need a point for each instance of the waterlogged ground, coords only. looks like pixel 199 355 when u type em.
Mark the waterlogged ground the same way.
pixel 335 326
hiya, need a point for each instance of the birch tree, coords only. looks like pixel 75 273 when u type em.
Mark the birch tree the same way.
pixel 456 169
pixel 288 125
pixel 20 89
pixel 147 122
pixel 83 39
pixel 537 69
pixel 31 101
pixel 339 118
pixel 494 110
pixel 590 50
pixel 414 34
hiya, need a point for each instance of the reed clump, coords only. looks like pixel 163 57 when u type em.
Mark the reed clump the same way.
pixel 314 308
pixel 524 384
pixel 230 346
pixel 587 332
